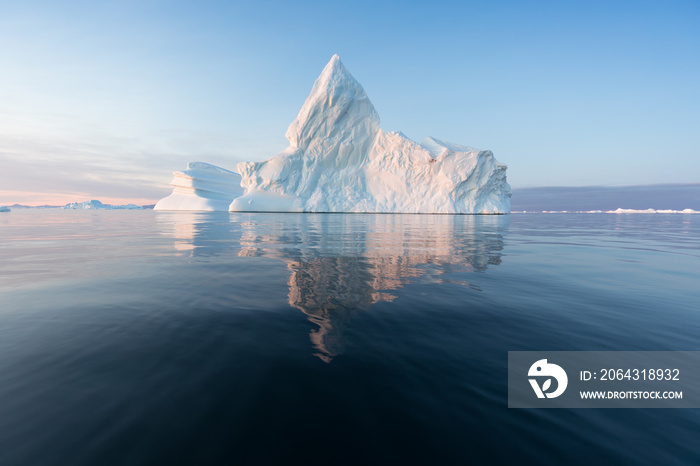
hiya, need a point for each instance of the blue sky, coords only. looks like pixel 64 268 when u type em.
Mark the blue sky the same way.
pixel 105 99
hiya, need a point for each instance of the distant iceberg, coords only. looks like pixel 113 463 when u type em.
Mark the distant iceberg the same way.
pixel 95 204
pixel 652 211
pixel 4 208
pixel 202 187
pixel 340 160
pixel 616 211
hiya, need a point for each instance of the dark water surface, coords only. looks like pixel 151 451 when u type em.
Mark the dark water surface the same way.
pixel 139 338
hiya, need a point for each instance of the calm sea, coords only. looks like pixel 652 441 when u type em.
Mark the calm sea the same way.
pixel 148 338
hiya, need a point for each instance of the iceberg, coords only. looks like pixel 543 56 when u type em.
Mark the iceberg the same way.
pixel 4 208
pixel 202 187
pixel 652 211
pixel 95 204
pixel 340 160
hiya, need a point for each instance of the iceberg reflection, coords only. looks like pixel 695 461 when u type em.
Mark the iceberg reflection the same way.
pixel 342 264
pixel 199 233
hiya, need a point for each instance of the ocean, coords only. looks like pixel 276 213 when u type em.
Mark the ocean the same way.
pixel 148 338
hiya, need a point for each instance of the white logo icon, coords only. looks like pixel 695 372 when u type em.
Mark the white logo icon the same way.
pixel 543 369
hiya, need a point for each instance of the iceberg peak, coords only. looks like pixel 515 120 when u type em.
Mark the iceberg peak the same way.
pixel 337 108
pixel 340 160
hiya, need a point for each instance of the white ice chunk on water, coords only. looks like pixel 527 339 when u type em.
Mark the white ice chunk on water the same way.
pixel 340 160
pixel 203 187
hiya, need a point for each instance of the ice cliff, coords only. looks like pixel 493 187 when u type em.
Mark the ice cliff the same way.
pixel 340 160
pixel 202 187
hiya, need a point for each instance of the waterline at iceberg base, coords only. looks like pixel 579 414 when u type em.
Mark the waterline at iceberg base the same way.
pixel 340 160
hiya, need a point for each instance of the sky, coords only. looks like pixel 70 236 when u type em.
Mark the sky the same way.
pixel 104 100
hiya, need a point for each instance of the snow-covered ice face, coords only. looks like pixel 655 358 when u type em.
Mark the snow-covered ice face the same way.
pixel 340 160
